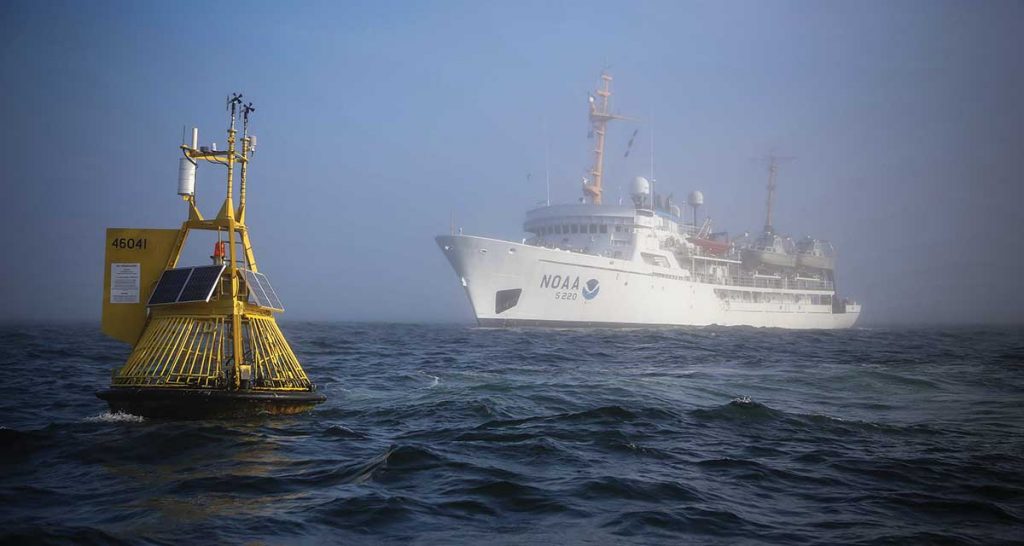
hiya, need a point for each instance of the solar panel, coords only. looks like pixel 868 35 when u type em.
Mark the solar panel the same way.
pixel 185 284
pixel 201 283
pixel 272 299
pixel 170 285
pixel 256 294
pixel 260 291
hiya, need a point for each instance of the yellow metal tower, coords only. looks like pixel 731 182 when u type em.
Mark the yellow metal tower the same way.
pixel 205 342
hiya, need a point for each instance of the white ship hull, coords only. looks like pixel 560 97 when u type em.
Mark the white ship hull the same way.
pixel 551 287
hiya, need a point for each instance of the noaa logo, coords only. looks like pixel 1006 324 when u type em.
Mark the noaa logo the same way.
pixel 591 289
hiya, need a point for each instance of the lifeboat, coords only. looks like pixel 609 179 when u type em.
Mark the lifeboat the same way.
pixel 770 251
pixel 753 257
pixel 815 254
pixel 711 246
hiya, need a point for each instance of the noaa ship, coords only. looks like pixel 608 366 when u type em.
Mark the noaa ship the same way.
pixel 643 264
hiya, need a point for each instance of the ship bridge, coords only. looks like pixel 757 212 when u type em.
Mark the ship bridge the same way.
pixel 605 230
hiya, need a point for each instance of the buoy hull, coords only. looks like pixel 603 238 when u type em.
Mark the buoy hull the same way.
pixel 179 403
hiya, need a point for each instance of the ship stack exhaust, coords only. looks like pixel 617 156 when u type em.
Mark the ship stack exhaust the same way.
pixel 205 341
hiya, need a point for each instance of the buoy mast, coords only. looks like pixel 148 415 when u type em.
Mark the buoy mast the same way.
pixel 227 219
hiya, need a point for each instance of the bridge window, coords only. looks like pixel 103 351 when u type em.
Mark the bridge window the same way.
pixel 604 228
pixel 575 228
pixel 593 228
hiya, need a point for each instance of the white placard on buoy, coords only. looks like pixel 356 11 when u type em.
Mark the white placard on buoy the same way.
pixel 124 283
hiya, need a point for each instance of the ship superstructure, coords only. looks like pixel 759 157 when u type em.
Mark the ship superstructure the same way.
pixel 592 263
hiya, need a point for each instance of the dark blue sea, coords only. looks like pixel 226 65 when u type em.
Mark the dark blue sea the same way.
pixel 461 435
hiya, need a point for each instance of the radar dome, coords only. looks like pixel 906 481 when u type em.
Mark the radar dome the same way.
pixel 640 186
pixel 696 198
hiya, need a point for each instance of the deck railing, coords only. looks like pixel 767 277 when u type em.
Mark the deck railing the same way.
pixel 760 282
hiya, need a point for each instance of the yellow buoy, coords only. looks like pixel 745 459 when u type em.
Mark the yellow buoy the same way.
pixel 205 342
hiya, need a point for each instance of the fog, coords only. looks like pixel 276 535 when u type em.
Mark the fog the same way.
pixel 378 121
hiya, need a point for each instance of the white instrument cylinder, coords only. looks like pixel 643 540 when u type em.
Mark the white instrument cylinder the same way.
pixel 186 177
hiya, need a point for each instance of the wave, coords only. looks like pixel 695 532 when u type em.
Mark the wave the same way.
pixel 341 431
pixel 681 521
pixel 18 445
pixel 453 434
pixel 60 534
pixel 612 414
pixel 116 417
pixel 609 488
pixel 744 410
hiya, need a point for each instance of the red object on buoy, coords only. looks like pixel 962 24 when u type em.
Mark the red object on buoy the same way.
pixel 218 249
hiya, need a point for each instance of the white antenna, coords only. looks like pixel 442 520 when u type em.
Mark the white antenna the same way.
pixel 654 205
pixel 652 144
pixel 547 162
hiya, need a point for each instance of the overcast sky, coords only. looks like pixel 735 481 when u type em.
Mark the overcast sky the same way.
pixel 377 120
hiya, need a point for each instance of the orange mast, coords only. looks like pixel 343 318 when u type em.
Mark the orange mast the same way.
pixel 599 118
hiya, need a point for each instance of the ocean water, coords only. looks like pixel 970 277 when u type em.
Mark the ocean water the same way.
pixel 455 434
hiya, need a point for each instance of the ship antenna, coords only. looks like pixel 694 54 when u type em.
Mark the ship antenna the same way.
pixel 547 164
pixel 651 129
pixel 773 169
